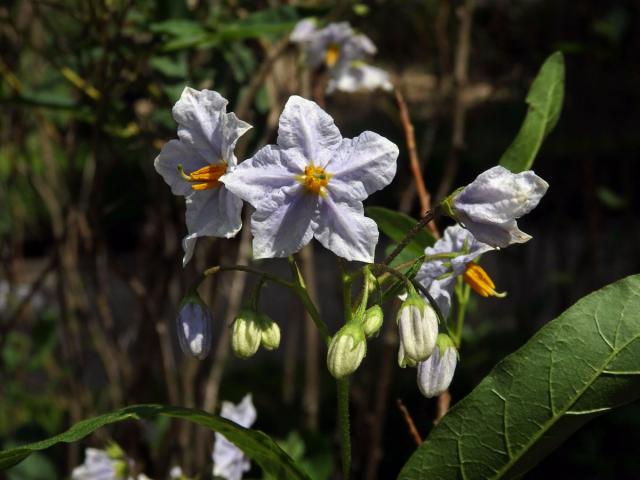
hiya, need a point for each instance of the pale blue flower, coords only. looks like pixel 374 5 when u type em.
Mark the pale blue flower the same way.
pixel 102 465
pixel 439 276
pixel 193 164
pixel 229 461
pixel 359 77
pixel 335 45
pixel 436 372
pixel 489 206
pixel 312 184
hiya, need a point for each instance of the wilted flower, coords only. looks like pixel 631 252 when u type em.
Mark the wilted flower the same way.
pixel 489 206
pixel 229 461
pixel 439 276
pixel 312 183
pixel 358 77
pixel 347 349
pixel 194 324
pixel 418 329
pixel 246 335
pixel 193 165
pixel 335 45
pixel 435 373
pixel 110 464
pixel 372 322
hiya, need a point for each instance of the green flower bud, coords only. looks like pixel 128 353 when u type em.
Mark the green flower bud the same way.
pixel 347 349
pixel 403 360
pixel 418 328
pixel 372 321
pixel 270 332
pixel 246 335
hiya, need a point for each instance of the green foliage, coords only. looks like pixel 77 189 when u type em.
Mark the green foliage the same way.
pixel 545 99
pixel 580 365
pixel 255 444
pixel 396 225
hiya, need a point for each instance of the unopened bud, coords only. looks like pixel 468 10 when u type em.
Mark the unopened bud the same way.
pixel 435 374
pixel 194 327
pixel 403 360
pixel 418 328
pixel 270 332
pixel 372 322
pixel 246 335
pixel 347 349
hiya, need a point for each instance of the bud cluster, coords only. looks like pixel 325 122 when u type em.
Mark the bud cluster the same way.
pixel 252 329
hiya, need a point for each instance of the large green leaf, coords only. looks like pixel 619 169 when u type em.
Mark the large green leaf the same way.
pixel 545 104
pixel 396 225
pixel 578 366
pixel 255 444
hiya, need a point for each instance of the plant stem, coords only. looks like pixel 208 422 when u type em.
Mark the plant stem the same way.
pixel 430 215
pixel 343 420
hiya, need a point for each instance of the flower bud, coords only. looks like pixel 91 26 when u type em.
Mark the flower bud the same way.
pixel 435 374
pixel 194 327
pixel 372 321
pixel 418 328
pixel 246 335
pixel 270 332
pixel 347 349
pixel 403 360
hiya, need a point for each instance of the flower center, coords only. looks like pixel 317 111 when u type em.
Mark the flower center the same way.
pixel 315 179
pixel 332 54
pixel 480 281
pixel 205 178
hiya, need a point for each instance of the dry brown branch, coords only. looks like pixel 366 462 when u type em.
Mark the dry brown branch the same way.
pixel 413 431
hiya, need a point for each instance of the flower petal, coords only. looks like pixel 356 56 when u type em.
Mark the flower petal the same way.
pixel 343 229
pixel 282 224
pixel 497 195
pixel 361 166
pixel 304 125
pixel 215 213
pixel 176 153
pixel 198 115
pixel 499 235
pixel 269 170
pixel 231 129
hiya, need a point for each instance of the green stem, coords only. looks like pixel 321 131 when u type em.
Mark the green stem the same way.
pixel 430 215
pixel 462 292
pixel 343 420
pixel 247 269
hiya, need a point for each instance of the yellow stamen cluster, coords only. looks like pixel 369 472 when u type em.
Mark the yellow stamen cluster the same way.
pixel 315 179
pixel 480 281
pixel 332 54
pixel 206 177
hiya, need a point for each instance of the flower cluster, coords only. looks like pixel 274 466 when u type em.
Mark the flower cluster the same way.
pixel 343 52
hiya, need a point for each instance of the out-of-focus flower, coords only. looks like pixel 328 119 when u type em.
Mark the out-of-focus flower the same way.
pixel 194 324
pixel 110 464
pixel 359 77
pixel 372 322
pixel 193 165
pixel 335 45
pixel 246 335
pixel 489 206
pixel 435 373
pixel 418 329
pixel 312 184
pixel 347 349
pixel 439 276
pixel 229 461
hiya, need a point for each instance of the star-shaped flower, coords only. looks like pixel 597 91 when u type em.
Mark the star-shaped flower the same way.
pixel 193 164
pixel 335 45
pixel 229 461
pixel 312 184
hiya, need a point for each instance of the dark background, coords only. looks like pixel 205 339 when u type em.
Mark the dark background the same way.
pixel 91 234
